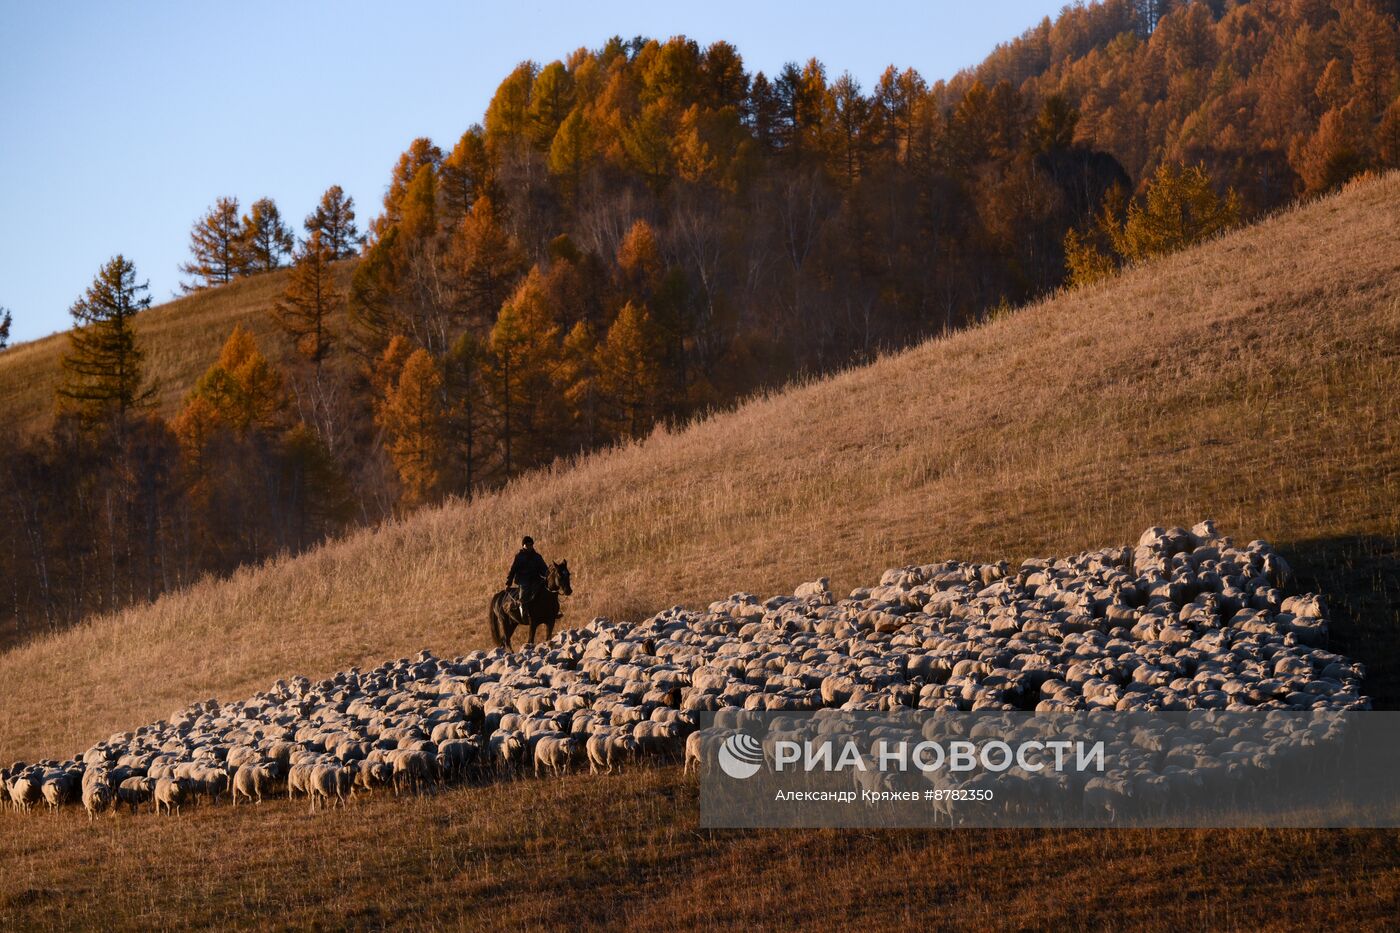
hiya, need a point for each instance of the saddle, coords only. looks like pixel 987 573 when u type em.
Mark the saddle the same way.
pixel 515 604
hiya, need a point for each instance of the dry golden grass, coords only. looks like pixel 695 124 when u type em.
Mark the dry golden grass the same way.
pixel 626 851
pixel 1252 380
pixel 181 339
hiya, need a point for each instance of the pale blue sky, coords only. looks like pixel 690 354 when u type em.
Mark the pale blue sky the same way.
pixel 121 122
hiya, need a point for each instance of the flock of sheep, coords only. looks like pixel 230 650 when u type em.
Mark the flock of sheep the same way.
pixel 1186 620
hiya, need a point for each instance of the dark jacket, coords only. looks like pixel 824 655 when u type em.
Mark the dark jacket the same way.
pixel 527 568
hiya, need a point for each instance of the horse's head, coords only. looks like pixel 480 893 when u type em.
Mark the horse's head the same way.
pixel 559 578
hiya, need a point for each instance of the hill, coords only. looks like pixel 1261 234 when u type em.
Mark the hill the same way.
pixel 651 230
pixel 1250 379
pixel 181 339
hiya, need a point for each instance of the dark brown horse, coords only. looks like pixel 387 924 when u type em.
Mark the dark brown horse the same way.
pixel 544 608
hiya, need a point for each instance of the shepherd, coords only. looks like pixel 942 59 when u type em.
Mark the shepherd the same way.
pixel 531 596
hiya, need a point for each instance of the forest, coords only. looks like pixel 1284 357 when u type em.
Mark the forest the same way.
pixel 646 232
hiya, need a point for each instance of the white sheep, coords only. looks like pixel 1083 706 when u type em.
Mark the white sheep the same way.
pixel 555 753
pixel 1186 620
pixel 610 750
pixel 25 792
pixel 134 791
pixel 251 780
pixel 97 797
pixel 412 768
pixel 329 782
pixel 170 793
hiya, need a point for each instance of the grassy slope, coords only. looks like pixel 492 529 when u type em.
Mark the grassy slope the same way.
pixel 181 339
pixel 625 851
pixel 1251 380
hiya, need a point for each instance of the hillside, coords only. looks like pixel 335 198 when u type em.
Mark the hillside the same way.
pixel 652 230
pixel 1250 379
pixel 181 339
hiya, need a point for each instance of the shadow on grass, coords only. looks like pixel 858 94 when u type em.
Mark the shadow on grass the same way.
pixel 1360 577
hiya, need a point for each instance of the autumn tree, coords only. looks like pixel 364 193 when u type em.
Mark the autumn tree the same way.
pixel 1150 12
pixel 334 220
pixel 1178 208
pixel 405 282
pixel 265 238
pixel 320 499
pixel 420 154
pixel 103 369
pixel 465 174
pixel 486 263
pixel 216 247
pixel 508 114
pixel 310 301
pixel 629 370
pixel 848 134
pixel 578 375
pixel 464 414
pixel 242 389
pixel 551 99
pixel 227 432
pixel 1054 125
pixel 896 105
pixel 417 207
pixel 723 81
pixel 763 117
pixel 411 417
pixel 259 479
pixel 384 372
pixel 571 150
pixel 521 371
pixel 1085 261
pixel 376 289
pixel 196 427
pixel 1333 153
pixel 639 262
pixel 647 141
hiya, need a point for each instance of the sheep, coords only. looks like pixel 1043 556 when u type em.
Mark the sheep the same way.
pixel 695 750
pixel 456 755
pixel 171 793
pixel 372 774
pixel 508 750
pixel 659 739
pixel 1184 620
pixel 134 791
pixel 555 753
pixel 411 767
pixel 329 781
pixel 241 755
pixel 211 782
pixel 299 780
pixel 60 788
pixel 98 796
pixel 25 792
pixel 610 750
pixel 1108 795
pixel 251 780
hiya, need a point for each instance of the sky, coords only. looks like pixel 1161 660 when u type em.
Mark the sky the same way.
pixel 121 123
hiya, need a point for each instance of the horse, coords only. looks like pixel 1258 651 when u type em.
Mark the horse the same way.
pixel 544 608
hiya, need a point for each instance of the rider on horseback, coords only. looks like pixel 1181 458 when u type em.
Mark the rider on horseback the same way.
pixel 528 573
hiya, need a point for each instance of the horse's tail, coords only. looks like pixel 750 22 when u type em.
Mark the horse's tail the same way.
pixel 493 612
